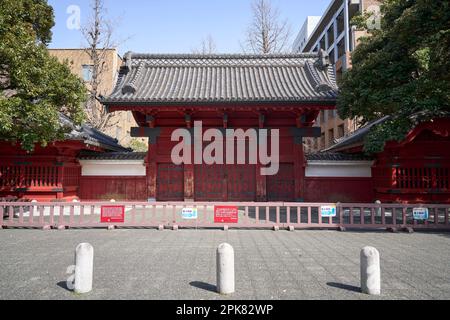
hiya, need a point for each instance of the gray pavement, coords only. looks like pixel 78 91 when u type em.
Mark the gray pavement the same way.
pixel 150 264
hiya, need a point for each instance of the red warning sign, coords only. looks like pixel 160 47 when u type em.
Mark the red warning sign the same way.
pixel 226 214
pixel 113 214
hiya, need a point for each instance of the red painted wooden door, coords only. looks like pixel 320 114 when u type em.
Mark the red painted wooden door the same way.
pixel 170 182
pixel 281 187
pixel 224 183
pixel 241 183
pixel 209 182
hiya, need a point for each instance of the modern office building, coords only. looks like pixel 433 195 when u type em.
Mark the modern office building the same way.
pixel 334 34
pixel 305 32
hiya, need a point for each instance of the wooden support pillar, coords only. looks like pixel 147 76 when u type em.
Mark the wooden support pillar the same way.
pixel 261 185
pixel 189 191
pixel 60 187
pixel 188 182
pixel 299 172
pixel 151 172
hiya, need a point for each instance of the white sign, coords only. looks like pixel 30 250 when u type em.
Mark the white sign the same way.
pixel 328 211
pixel 189 213
pixel 420 213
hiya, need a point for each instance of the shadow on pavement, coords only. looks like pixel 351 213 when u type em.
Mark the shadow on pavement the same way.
pixel 204 286
pixel 344 286
pixel 63 284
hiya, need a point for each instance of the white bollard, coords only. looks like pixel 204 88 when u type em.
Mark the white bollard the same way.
pixel 84 268
pixel 370 271
pixel 225 269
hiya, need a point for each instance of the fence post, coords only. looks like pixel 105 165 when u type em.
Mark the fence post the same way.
pixel 33 209
pixel 370 271
pixel 2 212
pixel 84 268
pixel 225 269
pixel 340 213
pixel 378 203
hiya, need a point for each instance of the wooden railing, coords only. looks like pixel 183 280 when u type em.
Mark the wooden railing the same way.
pixel 43 176
pixel 250 215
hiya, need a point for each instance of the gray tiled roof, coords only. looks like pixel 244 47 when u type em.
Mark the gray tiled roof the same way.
pixel 90 135
pixel 113 156
pixel 337 156
pixel 156 79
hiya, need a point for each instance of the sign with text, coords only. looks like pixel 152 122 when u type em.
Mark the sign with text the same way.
pixel 226 214
pixel 420 213
pixel 112 214
pixel 328 211
pixel 189 213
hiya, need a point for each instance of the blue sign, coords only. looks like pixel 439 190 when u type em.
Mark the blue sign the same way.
pixel 189 213
pixel 420 213
pixel 328 211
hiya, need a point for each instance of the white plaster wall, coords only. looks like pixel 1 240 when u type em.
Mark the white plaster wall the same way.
pixel 361 169
pixel 110 168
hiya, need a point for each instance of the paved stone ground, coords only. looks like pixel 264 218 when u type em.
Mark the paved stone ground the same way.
pixel 149 264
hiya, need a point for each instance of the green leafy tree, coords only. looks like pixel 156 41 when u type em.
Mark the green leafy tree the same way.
pixel 138 145
pixel 401 70
pixel 34 87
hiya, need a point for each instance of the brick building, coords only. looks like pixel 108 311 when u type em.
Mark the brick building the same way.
pixel 81 65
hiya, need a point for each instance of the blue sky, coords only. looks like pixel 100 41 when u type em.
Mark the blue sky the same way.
pixel 178 26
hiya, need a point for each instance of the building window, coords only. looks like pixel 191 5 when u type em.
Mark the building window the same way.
pixel 341 131
pixel 330 136
pixel 322 141
pixel 331 114
pixel 88 71
pixel 322 43
pixel 332 58
pixel 340 23
pixel 330 33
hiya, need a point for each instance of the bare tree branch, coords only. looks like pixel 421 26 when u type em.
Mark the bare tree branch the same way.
pixel 208 46
pixel 98 33
pixel 266 33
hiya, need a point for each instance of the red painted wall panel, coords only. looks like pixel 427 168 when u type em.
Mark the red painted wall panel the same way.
pixel 123 188
pixel 329 189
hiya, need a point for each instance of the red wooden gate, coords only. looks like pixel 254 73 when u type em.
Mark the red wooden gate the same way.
pixel 209 182
pixel 241 183
pixel 224 183
pixel 170 182
pixel 281 187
